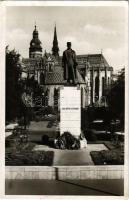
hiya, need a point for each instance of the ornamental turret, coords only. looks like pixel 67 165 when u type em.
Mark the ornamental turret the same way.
pixel 35 49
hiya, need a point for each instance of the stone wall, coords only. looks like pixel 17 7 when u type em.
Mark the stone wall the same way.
pixel 64 172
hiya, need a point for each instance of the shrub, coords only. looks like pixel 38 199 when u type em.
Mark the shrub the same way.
pixel 111 157
pixel 49 110
pixel 90 135
pixel 104 136
pixel 45 139
pixel 7 143
pixel 37 118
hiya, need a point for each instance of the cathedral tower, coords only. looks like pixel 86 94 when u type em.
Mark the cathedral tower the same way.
pixel 35 49
pixel 55 48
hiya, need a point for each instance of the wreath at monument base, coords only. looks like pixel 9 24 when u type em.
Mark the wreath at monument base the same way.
pixel 67 141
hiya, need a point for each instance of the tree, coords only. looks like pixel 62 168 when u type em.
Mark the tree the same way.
pixel 116 97
pixel 13 87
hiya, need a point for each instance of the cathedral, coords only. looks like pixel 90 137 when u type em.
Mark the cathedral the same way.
pixel 94 74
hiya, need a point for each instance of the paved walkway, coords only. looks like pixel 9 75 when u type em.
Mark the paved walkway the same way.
pixel 64 187
pixel 76 157
pixel 68 157
pixel 72 157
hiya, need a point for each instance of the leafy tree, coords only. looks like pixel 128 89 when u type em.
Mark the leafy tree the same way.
pixel 13 87
pixel 116 97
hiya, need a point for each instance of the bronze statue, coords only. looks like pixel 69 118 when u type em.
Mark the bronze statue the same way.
pixel 69 64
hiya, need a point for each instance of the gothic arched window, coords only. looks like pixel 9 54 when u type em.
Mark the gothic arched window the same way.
pixel 108 80
pixel 56 97
pixel 82 97
pixel 50 67
pixel 42 79
pixel 46 97
pixel 97 86
pixel 103 85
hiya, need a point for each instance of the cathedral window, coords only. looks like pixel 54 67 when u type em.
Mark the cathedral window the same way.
pixel 108 80
pixel 103 85
pixel 50 67
pixel 97 86
pixel 81 97
pixel 56 97
pixel 46 97
pixel 42 79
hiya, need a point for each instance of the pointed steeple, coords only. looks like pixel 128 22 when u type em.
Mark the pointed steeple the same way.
pixel 55 48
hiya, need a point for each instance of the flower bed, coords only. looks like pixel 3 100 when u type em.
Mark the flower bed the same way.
pixel 29 158
pixel 21 154
pixel 107 157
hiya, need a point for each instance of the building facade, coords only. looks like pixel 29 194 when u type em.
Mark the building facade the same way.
pixel 94 74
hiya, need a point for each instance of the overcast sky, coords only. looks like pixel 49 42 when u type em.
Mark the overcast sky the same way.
pixel 90 29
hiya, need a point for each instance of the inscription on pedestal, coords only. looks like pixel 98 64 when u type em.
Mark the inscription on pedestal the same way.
pixel 70 113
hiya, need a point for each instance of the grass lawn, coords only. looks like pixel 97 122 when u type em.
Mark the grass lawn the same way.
pixel 21 154
pixel 113 156
pixel 115 153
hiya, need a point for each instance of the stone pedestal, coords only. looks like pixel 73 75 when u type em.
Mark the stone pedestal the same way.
pixel 70 110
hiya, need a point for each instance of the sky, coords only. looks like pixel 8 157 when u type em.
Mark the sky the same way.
pixel 90 29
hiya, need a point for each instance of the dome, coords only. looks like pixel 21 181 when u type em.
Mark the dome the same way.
pixel 35 41
pixel 35 45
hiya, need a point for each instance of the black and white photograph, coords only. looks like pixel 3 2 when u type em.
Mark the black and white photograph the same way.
pixel 65 69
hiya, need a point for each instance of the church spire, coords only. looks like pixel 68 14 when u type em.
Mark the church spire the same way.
pixel 55 48
pixel 35 49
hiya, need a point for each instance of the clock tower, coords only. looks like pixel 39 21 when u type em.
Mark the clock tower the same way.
pixel 35 50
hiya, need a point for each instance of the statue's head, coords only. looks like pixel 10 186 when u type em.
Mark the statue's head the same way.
pixel 69 45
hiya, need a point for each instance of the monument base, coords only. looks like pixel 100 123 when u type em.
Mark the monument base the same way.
pixel 70 113
pixel 70 110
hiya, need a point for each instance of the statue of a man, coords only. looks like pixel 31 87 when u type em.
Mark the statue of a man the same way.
pixel 69 64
